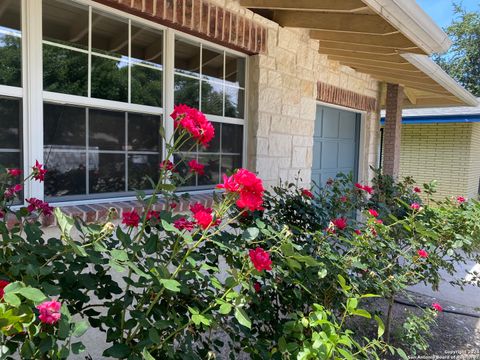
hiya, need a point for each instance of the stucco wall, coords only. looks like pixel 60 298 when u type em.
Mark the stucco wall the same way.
pixel 440 152
pixel 282 102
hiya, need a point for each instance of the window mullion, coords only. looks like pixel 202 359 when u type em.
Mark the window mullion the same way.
pixel 33 86
pixel 169 61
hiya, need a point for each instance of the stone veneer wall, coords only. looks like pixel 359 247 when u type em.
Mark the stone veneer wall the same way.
pixel 282 102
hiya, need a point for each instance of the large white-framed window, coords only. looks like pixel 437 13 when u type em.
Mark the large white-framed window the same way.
pixel 11 92
pixel 100 84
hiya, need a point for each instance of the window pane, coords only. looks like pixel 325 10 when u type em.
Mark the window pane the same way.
pixel 212 168
pixel 139 168
pixel 109 79
pixel 181 165
pixel 109 35
pixel 232 138
pixel 187 58
pixel 65 22
pixel 147 45
pixel 144 132
pixel 146 86
pixel 234 102
pixel 106 172
pixel 10 159
pixel 212 64
pixel 187 91
pixel 235 71
pixel 10 44
pixel 64 127
pixel 230 163
pixel 212 98
pixel 65 71
pixel 10 123
pixel 66 173
pixel 106 130
pixel 214 145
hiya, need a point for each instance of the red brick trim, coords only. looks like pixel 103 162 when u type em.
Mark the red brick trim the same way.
pixel 98 212
pixel 338 96
pixel 200 18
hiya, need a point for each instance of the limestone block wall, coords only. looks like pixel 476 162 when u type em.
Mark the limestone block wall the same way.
pixel 282 102
pixel 441 152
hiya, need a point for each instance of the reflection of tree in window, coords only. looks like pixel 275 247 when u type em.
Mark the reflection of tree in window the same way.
pixel 146 86
pixel 109 79
pixel 10 63
pixel 65 71
pixel 186 91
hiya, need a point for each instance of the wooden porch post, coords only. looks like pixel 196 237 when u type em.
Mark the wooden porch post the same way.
pixel 393 130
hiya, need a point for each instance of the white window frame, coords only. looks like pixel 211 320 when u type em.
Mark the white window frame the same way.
pixel 34 96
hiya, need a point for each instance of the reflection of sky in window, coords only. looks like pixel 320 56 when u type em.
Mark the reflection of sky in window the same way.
pixel 216 87
pixel 8 31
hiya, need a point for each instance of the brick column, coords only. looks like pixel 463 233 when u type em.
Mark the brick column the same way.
pixel 392 130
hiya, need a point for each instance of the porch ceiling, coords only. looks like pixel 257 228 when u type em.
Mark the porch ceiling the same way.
pixel 388 39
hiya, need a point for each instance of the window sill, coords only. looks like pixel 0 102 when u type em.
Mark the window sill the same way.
pixel 97 212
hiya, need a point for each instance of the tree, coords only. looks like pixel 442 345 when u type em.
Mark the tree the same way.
pixel 462 62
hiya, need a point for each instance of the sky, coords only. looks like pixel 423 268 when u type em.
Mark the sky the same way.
pixel 442 10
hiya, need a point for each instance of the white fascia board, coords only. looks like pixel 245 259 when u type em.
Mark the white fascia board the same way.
pixel 410 19
pixel 436 73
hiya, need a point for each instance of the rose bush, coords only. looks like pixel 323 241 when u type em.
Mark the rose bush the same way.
pixel 271 274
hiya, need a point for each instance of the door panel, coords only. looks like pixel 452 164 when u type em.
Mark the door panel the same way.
pixel 335 146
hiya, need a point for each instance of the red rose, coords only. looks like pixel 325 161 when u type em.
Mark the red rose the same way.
pixel 417 189
pixel 131 218
pixel 203 216
pixel 36 204
pixel 461 199
pixel 196 167
pixel 3 285
pixel 14 172
pixel 249 188
pixel 167 165
pixel 437 307
pixel 38 172
pixel 260 259
pixel 343 199
pixel 307 193
pixel 365 188
pixel 152 214
pixel 340 223
pixel 373 212
pixel 173 205
pixel 194 122
pixel 358 232
pixel 415 206
pixel 257 287
pixel 422 253
pixel 183 224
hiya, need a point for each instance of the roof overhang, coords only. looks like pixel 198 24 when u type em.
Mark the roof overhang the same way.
pixel 388 39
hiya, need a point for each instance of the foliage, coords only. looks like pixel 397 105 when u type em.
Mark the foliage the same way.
pixel 416 329
pixel 462 62
pixel 275 275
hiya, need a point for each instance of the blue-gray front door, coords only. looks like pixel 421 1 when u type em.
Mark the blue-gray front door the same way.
pixel 335 146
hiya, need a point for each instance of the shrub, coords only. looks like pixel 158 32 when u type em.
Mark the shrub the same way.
pixel 272 274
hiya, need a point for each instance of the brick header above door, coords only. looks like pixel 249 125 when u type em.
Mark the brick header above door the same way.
pixel 200 18
pixel 338 96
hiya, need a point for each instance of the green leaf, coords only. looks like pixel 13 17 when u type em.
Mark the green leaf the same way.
pixel 170 284
pixel 12 299
pixel 119 351
pixel 362 313
pixel 381 326
pixel 402 354
pixel 243 318
pixel 146 355
pixel 13 288
pixel 80 328
pixel 168 227
pixel 119 255
pixel 225 308
pixel 153 336
pixel 32 294
pixel 78 347
pixel 322 273
pixel 250 234
pixel 64 222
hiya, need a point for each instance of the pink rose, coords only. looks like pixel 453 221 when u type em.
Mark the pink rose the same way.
pixel 49 312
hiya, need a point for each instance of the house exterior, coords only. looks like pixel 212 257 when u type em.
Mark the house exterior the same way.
pixel 292 88
pixel 443 144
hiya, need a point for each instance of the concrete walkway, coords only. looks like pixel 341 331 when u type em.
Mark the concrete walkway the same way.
pixel 469 297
